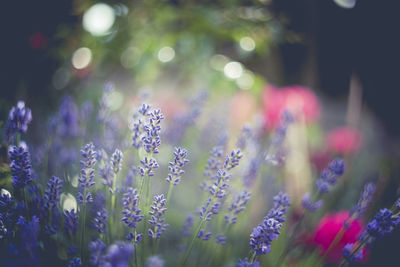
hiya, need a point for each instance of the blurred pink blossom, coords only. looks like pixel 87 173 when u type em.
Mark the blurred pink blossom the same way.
pixel 327 229
pixel 300 101
pixel 344 140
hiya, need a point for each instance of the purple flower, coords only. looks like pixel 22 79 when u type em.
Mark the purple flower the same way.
pixel 208 210
pixel 383 224
pixel 157 211
pixel 70 222
pixel 68 123
pixel 176 167
pixel 233 159
pixel 188 225
pixel 244 137
pixel 252 171
pixel 220 239
pixel 97 252
pixel 29 232
pixel 100 221
pixel 86 178
pixel 131 212
pixel 119 254
pixel 52 193
pixel 75 262
pixel 309 205
pixel 151 140
pixel 20 166
pixel 203 235
pixel 330 175
pixel 18 119
pixel 275 153
pixel 154 261
pixel 268 230
pixel 214 162
pixel 365 199
pixel 148 166
pixel 246 263
pixel 237 206
pixel 116 161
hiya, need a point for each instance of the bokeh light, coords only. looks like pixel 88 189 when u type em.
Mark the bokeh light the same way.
pixel 233 70
pixel 99 19
pixel 247 43
pixel 81 58
pixel 166 54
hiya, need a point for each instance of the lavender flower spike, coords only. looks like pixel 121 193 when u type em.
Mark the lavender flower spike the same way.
pixel 157 211
pixel 148 166
pixel 116 160
pixel 151 141
pixel 75 262
pixel 18 119
pixel 97 251
pixel 176 167
pixel 86 178
pixel 100 221
pixel 365 199
pixel 131 212
pixel 154 261
pixel 70 222
pixel 20 166
pixel 119 254
pixel 237 206
pixel 52 194
pixel 268 230
pixel 246 263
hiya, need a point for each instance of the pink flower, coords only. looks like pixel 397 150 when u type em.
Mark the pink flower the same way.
pixel 344 140
pixel 296 99
pixel 327 229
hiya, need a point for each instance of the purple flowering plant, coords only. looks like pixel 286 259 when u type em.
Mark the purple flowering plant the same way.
pixel 132 197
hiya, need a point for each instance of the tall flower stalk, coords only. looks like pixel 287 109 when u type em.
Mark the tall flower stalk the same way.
pixel 217 190
pixel 86 180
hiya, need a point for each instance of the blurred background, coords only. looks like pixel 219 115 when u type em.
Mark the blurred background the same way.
pixel 339 57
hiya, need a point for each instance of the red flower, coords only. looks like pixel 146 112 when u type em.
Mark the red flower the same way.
pixel 344 140
pixel 296 99
pixel 327 229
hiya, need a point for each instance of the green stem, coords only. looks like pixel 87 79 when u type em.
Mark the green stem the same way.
pixel 199 228
pixel 112 214
pixel 171 187
pixel 83 218
pixel 253 257
pixel 291 238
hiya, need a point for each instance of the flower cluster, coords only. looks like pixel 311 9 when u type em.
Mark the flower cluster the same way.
pixel 157 211
pixel 20 166
pixel 151 141
pixel 86 178
pixel 52 194
pixel 246 263
pixel 131 212
pixel 100 221
pixel 237 206
pixel 138 126
pixel 327 179
pixel 148 164
pixel 365 199
pixel 176 167
pixel 268 230
pixel 70 222
pixel 18 119
pixel 116 161
pixel 383 223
